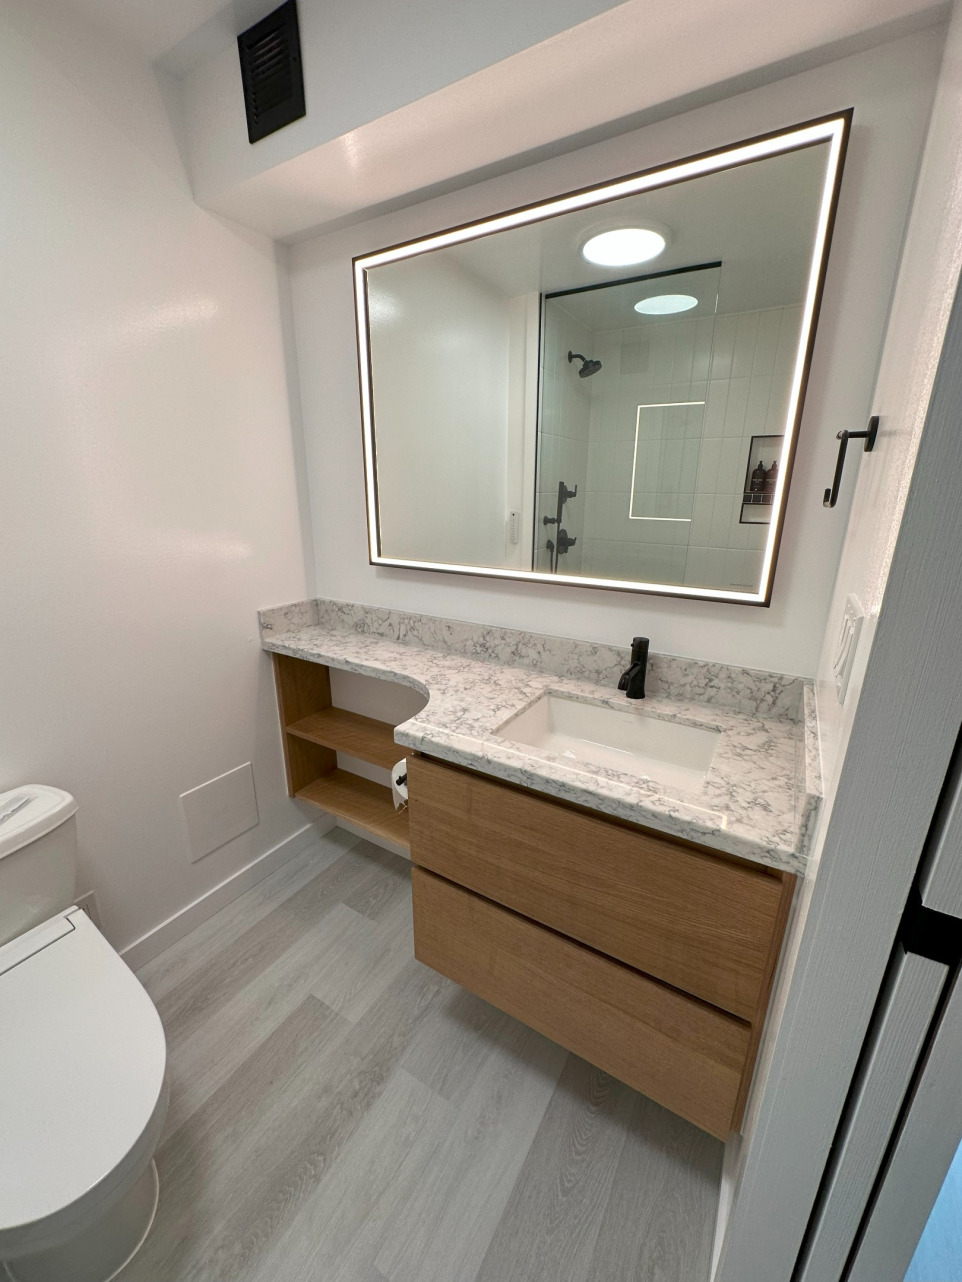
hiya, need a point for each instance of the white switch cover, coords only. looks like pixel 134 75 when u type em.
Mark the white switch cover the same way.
pixel 846 645
pixel 219 811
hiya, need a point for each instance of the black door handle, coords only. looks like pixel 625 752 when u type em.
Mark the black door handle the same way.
pixel 831 496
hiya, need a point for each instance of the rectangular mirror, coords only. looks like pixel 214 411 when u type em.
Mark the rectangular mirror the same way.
pixel 576 391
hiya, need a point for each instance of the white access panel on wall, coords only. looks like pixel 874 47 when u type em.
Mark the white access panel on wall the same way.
pixel 218 811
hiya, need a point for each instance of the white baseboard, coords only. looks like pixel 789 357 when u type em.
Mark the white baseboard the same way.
pixel 726 1194
pixel 148 946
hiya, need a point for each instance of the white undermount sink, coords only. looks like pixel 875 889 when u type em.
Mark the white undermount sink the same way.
pixel 627 741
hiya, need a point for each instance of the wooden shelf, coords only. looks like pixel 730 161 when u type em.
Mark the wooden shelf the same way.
pixel 314 731
pixel 367 804
pixel 362 737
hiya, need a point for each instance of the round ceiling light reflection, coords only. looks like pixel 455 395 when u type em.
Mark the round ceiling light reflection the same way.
pixel 623 246
pixel 665 304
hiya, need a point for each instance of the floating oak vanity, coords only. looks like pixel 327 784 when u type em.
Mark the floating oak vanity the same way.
pixel 651 957
pixel 639 925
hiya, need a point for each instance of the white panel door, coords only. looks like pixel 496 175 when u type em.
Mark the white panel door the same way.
pixel 942 870
pixel 909 1002
pixel 923 1153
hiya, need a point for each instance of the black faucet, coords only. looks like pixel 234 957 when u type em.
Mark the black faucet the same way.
pixel 633 680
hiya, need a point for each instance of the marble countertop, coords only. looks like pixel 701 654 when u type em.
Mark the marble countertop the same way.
pixel 761 793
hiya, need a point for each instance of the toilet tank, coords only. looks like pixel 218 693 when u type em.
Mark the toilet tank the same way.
pixel 38 856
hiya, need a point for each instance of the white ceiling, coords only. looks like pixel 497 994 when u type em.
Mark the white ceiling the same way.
pixel 155 27
pixel 176 34
pixel 181 34
pixel 151 26
pixel 584 83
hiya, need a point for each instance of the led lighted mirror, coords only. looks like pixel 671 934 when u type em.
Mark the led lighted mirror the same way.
pixel 531 414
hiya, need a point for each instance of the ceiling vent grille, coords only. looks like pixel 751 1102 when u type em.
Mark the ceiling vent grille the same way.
pixel 270 59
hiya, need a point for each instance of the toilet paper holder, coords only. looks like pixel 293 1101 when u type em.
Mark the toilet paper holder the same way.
pixel 399 784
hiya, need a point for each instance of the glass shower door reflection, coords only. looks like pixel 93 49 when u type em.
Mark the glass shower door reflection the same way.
pixel 622 413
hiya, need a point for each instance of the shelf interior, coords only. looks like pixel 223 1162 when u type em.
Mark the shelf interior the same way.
pixel 362 737
pixel 370 805
pixel 315 732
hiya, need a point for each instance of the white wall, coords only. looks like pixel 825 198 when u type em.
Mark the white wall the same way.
pixel 890 88
pixel 440 349
pixel 148 489
pixel 880 480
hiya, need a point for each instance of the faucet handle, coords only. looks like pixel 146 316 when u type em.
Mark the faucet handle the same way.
pixel 639 650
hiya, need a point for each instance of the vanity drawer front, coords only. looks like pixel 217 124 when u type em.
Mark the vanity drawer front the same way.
pixel 676 1050
pixel 705 924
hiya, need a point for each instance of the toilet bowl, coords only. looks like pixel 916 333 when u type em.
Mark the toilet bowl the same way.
pixel 83 1089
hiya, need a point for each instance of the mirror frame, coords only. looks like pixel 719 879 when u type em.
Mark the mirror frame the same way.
pixel 833 129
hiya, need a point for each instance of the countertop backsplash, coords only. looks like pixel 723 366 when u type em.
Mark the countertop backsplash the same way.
pixel 746 690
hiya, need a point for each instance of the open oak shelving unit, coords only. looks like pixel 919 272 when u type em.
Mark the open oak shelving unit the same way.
pixel 314 732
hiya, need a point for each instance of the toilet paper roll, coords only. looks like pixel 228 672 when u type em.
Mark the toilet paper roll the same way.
pixel 399 784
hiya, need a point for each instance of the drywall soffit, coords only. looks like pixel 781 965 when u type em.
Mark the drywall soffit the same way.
pixel 575 88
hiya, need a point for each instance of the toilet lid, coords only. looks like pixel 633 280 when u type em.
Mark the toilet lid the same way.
pixel 82 1063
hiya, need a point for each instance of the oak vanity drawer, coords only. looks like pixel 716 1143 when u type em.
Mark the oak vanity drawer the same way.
pixel 705 923
pixel 678 1051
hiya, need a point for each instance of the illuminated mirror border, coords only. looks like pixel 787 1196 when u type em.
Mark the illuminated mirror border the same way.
pixel 833 130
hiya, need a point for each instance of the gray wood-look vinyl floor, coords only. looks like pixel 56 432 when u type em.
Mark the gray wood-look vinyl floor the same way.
pixel 340 1113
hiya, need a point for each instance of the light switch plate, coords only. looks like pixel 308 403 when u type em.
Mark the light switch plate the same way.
pixel 220 810
pixel 847 644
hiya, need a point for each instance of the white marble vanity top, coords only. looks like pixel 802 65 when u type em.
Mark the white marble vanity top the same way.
pixel 763 788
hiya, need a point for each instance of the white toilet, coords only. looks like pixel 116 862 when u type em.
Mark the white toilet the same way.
pixel 83 1089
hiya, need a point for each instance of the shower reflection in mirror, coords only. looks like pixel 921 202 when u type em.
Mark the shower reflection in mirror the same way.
pixel 654 446
pixel 630 446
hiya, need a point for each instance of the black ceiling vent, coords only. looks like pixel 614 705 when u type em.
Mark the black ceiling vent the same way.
pixel 270 59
